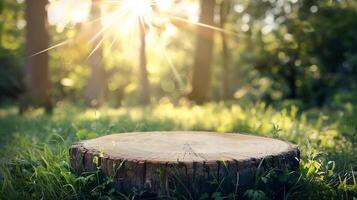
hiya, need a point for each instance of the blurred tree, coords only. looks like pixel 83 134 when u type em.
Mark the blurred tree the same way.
pixel 36 63
pixel 304 50
pixel 97 83
pixel 300 51
pixel 10 76
pixel 144 87
pixel 201 77
pixel 333 45
pixel 1 20
pixel 224 10
pixel 11 50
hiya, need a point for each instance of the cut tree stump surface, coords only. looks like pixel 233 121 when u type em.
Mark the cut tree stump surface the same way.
pixel 141 155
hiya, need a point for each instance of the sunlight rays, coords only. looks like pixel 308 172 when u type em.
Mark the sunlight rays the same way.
pixel 200 24
pixel 51 47
pixel 126 19
pixel 171 64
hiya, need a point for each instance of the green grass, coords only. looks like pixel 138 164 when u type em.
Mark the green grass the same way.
pixel 34 148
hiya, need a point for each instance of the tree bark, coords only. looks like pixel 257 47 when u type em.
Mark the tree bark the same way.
pixel 97 83
pixel 159 162
pixel 37 79
pixel 201 77
pixel 144 88
pixel 224 12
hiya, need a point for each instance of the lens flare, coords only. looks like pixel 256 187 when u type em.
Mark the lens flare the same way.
pixel 125 20
pixel 138 8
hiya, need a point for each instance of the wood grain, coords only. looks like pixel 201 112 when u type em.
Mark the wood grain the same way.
pixel 151 160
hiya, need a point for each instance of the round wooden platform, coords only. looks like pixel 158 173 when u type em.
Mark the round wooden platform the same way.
pixel 150 160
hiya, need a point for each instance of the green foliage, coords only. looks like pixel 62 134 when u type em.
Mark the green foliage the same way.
pixel 307 58
pixel 85 134
pixel 302 50
pixel 34 156
pixel 11 45
pixel 255 195
pixel 10 75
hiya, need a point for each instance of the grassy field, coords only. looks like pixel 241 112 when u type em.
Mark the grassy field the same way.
pixel 34 148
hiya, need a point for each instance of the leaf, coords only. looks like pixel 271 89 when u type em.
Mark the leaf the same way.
pixel 217 196
pixel 264 179
pixel 204 196
pixel 85 134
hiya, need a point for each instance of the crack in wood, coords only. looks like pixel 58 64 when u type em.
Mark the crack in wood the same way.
pixel 194 169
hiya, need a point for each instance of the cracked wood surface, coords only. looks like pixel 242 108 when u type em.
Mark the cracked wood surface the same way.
pixel 149 159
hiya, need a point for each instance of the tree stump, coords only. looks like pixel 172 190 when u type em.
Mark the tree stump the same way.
pixel 157 161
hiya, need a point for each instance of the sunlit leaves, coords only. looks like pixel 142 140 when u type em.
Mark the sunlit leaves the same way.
pixel 64 12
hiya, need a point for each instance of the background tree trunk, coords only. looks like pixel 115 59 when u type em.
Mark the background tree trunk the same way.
pixel 201 77
pixel 1 24
pixel 224 10
pixel 97 83
pixel 36 66
pixel 144 88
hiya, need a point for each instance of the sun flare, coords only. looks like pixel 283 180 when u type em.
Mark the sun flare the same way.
pixel 124 17
pixel 138 8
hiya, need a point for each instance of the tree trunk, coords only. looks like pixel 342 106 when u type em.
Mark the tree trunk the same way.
pixel 201 77
pixel 97 84
pixel 291 78
pixel 37 79
pixel 224 12
pixel 144 88
pixel 1 24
